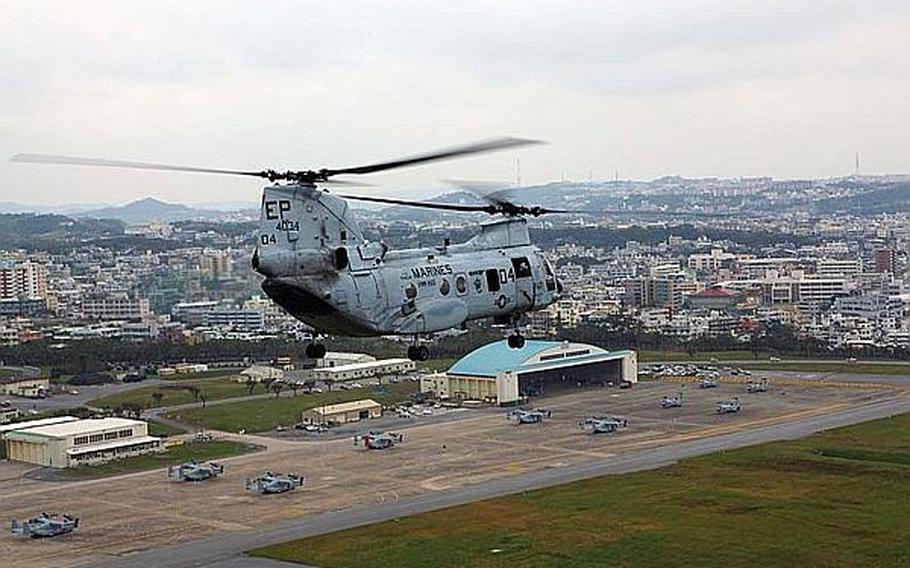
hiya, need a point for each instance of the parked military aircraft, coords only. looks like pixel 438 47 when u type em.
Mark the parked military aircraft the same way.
pixel 195 471
pixel 45 525
pixel 319 266
pixel 603 424
pixel 753 387
pixel 377 440
pixel 707 384
pixel 270 483
pixel 728 406
pixel 672 401
pixel 523 416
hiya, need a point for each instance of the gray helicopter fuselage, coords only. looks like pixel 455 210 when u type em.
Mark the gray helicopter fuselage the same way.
pixel 318 266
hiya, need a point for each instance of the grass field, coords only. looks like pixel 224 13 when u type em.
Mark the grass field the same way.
pixel 163 430
pixel 646 356
pixel 897 368
pixel 178 393
pixel 261 415
pixel 836 499
pixel 177 454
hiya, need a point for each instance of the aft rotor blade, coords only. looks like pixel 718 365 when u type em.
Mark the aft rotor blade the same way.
pixel 100 162
pixel 423 204
pixel 445 154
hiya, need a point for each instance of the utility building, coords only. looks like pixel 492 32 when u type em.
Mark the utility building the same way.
pixel 354 371
pixel 344 412
pixel 499 374
pixel 68 441
pixel 31 387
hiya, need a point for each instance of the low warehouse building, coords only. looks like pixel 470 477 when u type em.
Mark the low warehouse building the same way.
pixel 73 442
pixel 344 412
pixel 261 373
pixel 500 374
pixel 354 371
pixel 31 387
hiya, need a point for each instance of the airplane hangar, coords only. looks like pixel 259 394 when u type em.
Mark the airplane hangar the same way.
pixel 500 374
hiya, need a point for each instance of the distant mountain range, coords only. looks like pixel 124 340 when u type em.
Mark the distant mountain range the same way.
pixel 146 210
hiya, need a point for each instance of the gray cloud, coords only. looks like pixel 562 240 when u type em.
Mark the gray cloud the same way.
pixel 651 88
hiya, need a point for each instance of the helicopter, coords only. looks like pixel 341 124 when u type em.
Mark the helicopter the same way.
pixel 271 483
pixel 320 268
pixel 376 440
pixel 753 387
pixel 672 401
pixel 523 416
pixel 603 425
pixel 45 525
pixel 195 471
pixel 728 406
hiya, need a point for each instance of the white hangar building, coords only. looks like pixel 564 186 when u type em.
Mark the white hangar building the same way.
pixel 497 373
pixel 67 441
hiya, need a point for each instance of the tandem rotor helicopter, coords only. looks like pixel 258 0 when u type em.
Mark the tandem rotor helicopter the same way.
pixel 319 267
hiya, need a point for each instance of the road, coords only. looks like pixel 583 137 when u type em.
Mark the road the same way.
pixel 226 550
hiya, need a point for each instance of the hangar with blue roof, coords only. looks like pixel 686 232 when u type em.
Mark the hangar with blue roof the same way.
pixel 500 374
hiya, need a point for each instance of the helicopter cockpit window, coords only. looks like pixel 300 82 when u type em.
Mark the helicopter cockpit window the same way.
pixel 493 280
pixel 444 287
pixel 522 267
pixel 550 276
pixel 410 291
pixel 461 284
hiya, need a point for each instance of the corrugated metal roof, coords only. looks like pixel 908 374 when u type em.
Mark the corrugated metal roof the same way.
pixel 352 406
pixel 85 426
pixel 39 422
pixel 493 358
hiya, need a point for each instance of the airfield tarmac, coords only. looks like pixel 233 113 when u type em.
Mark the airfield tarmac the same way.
pixel 142 511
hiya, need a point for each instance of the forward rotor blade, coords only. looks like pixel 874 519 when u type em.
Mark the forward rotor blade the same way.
pixel 77 161
pixel 445 154
pixel 423 204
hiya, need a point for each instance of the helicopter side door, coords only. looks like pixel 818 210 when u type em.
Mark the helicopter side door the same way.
pixel 525 291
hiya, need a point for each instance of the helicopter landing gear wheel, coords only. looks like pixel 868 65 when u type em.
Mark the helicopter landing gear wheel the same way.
pixel 516 341
pixel 315 350
pixel 418 353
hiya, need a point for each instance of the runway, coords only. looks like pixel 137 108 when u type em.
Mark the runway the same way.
pixel 226 550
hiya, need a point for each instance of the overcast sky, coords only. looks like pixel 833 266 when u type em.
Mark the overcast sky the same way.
pixel 788 88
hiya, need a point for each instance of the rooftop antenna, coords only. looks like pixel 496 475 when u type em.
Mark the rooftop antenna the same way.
pixel 856 171
pixel 517 172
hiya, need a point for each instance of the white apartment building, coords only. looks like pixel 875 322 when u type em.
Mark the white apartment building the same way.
pixel 116 308
pixel 27 279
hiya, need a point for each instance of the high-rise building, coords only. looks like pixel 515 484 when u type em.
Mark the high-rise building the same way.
pixel 26 279
pixel 884 260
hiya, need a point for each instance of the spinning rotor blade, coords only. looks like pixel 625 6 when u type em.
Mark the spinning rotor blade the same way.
pixel 504 207
pixel 299 176
pixel 77 161
pixel 446 154
pixel 423 204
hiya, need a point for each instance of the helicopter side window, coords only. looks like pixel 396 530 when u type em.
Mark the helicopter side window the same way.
pixel 522 267
pixel 410 291
pixel 461 284
pixel 493 283
pixel 444 287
